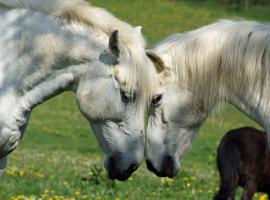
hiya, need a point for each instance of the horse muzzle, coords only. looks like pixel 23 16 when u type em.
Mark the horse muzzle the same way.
pixel 9 140
pixel 169 167
pixel 116 170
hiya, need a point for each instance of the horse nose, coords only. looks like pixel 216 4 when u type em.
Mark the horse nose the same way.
pixel 10 144
pixel 116 171
pixel 151 168
pixel 170 166
pixel 112 168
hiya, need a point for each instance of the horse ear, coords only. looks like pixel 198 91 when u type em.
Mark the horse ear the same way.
pixel 138 29
pixel 157 61
pixel 114 44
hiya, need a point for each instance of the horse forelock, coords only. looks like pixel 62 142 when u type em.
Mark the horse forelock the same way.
pixel 131 44
pixel 141 75
pixel 221 59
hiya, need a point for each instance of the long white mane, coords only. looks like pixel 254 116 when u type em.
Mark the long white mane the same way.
pixel 221 59
pixel 131 42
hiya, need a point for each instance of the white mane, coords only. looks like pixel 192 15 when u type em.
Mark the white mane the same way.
pixel 221 58
pixel 131 42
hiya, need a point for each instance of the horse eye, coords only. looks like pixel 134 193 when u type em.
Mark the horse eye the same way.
pixel 156 100
pixel 127 97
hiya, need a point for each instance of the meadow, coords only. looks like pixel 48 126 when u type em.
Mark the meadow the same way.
pixel 59 158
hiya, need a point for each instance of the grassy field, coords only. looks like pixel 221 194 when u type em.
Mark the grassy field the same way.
pixel 59 157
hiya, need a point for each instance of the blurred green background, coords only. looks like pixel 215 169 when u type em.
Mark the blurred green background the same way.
pixel 59 158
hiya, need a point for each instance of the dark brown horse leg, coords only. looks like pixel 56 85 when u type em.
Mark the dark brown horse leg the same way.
pixel 226 192
pixel 249 190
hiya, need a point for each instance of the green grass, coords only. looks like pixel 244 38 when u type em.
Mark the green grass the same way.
pixel 59 156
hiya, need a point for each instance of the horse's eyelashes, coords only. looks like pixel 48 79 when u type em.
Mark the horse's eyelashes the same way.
pixel 156 99
pixel 127 96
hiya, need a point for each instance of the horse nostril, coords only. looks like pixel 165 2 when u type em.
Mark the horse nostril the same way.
pixel 111 161
pixel 112 169
pixel 151 168
pixel 169 166
pixel 169 161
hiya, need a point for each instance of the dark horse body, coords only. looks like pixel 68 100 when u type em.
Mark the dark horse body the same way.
pixel 243 159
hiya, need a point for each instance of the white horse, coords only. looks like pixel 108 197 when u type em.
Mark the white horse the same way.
pixel 51 46
pixel 227 61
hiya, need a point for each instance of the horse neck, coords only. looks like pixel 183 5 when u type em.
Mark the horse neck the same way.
pixel 253 103
pixel 226 61
pixel 190 69
pixel 45 48
pixel 70 51
pixel 83 44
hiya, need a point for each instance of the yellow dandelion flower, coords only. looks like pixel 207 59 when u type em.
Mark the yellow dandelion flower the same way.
pixel 20 197
pixel 21 172
pixel 162 181
pixel 98 158
pixel 38 174
pixel 66 183
pixel 169 180
pixel 31 198
pixel 98 198
pixel 90 173
pixel 11 171
pixel 185 179
pixel 263 197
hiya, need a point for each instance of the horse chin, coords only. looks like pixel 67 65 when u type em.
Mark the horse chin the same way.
pixel 163 174
pixel 167 173
pixel 169 168
pixel 115 173
pixel 9 146
pixel 172 174
pixel 123 176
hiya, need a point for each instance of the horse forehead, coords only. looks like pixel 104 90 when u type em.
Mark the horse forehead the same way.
pixel 162 82
pixel 121 74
